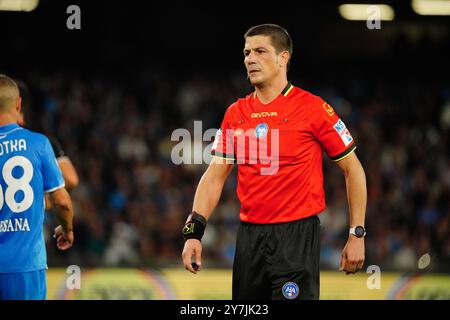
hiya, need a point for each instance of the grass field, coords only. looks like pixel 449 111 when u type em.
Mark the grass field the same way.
pixel 171 284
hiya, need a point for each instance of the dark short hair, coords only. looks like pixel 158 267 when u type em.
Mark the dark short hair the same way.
pixel 280 38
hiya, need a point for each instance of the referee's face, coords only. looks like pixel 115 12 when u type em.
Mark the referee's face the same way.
pixel 261 60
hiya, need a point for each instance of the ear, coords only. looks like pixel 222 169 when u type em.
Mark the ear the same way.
pixel 19 105
pixel 284 58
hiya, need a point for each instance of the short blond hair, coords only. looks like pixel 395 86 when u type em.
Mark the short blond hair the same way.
pixel 9 92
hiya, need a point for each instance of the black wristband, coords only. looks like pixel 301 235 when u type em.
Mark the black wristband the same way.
pixel 194 227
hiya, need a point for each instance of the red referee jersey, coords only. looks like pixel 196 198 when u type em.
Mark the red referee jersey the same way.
pixel 278 147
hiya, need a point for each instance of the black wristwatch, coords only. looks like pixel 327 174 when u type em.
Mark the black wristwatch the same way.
pixel 358 231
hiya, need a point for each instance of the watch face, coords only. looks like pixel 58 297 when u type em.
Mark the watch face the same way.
pixel 359 231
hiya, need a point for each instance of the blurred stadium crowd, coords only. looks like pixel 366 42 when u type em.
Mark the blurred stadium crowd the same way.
pixel 132 200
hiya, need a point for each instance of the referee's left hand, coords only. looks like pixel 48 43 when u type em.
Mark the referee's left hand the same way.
pixel 192 250
pixel 352 257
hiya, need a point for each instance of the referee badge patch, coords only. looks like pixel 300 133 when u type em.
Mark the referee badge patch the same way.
pixel 290 290
pixel 261 130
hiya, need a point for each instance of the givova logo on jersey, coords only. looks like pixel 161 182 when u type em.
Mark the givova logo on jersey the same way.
pixel 343 132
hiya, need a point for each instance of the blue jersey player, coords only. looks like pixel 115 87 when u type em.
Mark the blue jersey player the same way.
pixel 28 170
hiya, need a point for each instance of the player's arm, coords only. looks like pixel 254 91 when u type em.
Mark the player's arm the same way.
pixel 352 258
pixel 62 205
pixel 58 196
pixel 206 198
pixel 69 173
pixel 66 166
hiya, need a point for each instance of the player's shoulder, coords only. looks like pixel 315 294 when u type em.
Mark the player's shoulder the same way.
pixel 37 137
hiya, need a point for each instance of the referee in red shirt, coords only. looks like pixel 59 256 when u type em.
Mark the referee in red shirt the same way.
pixel 277 136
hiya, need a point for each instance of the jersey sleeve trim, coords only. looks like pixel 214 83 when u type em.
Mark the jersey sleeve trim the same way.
pixel 55 188
pixel 344 154
pixel 222 155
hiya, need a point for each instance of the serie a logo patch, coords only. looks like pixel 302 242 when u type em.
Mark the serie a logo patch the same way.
pixel 290 290
pixel 343 132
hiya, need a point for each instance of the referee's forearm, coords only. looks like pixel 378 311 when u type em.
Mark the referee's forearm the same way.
pixel 355 180
pixel 207 195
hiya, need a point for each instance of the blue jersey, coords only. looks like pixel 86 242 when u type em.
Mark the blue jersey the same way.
pixel 28 169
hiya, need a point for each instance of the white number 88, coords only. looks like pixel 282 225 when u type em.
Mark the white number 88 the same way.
pixel 14 185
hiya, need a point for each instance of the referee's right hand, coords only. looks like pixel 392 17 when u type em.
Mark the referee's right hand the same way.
pixel 192 249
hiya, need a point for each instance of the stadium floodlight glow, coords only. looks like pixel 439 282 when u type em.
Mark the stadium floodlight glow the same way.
pixel 363 12
pixel 18 5
pixel 431 7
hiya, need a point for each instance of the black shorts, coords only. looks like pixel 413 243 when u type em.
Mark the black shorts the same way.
pixel 277 261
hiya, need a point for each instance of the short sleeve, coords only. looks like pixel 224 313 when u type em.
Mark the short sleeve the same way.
pixel 51 173
pixel 330 131
pixel 223 146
